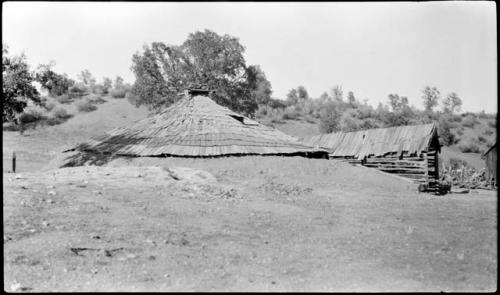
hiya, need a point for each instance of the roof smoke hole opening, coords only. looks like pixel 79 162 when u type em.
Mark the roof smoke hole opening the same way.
pixel 243 120
pixel 239 118
pixel 198 91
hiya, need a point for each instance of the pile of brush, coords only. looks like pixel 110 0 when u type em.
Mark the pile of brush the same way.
pixel 468 177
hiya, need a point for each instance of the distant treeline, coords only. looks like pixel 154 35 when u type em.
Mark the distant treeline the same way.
pixel 19 89
pixel 334 112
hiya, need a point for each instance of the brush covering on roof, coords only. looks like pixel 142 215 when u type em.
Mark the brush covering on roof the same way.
pixel 196 126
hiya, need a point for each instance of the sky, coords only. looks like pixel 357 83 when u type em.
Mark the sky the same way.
pixel 372 49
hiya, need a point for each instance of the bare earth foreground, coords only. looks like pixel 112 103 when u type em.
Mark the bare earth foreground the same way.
pixel 260 224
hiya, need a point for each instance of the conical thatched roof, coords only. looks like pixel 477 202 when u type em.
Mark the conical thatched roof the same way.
pixel 196 126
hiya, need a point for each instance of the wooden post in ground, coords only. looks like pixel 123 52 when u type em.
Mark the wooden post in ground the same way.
pixel 14 162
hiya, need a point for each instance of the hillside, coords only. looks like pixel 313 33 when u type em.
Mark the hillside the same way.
pixel 37 147
pixel 299 127
pixel 481 132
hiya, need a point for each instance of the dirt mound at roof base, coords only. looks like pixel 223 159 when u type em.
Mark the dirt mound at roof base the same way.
pixel 315 173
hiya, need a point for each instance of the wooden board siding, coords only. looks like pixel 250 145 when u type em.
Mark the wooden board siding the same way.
pixel 490 157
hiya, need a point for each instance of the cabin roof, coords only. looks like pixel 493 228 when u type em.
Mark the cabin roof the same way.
pixel 377 142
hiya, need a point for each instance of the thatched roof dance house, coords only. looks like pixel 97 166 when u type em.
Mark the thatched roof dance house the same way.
pixel 409 151
pixel 196 126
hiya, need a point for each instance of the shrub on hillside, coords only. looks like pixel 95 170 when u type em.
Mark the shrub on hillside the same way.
pixel 59 116
pixel 492 124
pixel 267 113
pixel 275 115
pixel 365 112
pixel 30 116
pixel 51 121
pixel 118 93
pixel 291 113
pixel 263 111
pixel 369 123
pixel 488 132
pixel 77 91
pixel 469 148
pixel 470 120
pixel 86 106
pixel 307 107
pixel 349 124
pixel 64 99
pixel 276 103
pixel 348 121
pixel 446 135
pixel 61 113
pixel 99 89
pixel 97 100
pixel 481 139
pixel 49 106
pixel 395 119
pixel 456 118
pixel 460 131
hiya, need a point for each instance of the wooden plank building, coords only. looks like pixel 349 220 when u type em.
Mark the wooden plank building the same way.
pixel 409 151
pixel 490 157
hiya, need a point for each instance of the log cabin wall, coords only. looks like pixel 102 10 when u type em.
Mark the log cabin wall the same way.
pixel 414 167
pixel 421 168
pixel 433 164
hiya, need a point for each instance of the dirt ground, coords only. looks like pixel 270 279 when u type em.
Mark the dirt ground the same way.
pixel 242 224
